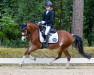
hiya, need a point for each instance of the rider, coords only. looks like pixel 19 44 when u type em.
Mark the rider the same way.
pixel 47 21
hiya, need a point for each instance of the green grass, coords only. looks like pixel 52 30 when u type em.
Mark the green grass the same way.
pixel 41 53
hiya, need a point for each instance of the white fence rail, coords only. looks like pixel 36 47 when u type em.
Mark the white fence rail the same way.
pixel 44 60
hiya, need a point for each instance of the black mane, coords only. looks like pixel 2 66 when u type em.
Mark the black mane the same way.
pixel 30 22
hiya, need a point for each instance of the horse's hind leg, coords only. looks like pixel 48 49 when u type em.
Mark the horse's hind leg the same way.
pixel 68 57
pixel 59 54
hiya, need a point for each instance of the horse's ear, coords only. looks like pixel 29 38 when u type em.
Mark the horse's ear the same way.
pixel 20 24
pixel 25 24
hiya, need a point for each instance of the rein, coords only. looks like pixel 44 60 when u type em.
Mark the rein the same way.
pixel 25 35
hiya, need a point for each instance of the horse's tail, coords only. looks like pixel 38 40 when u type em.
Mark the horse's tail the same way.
pixel 78 44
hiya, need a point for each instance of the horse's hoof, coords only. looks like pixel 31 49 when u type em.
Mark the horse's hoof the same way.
pixel 20 65
pixel 67 67
pixel 34 59
pixel 48 64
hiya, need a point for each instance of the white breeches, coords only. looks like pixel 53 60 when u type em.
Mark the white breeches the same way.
pixel 47 29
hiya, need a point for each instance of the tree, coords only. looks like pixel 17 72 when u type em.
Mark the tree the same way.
pixel 77 22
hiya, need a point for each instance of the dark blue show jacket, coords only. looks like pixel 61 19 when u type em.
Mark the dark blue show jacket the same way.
pixel 48 18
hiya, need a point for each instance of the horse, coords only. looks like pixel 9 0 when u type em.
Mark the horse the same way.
pixel 66 39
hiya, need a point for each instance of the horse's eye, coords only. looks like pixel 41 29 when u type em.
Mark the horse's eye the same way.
pixel 25 31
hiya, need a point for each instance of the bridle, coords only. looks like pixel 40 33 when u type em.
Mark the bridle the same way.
pixel 24 29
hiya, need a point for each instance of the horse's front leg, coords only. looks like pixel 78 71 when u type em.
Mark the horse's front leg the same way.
pixel 32 49
pixel 29 50
pixel 22 61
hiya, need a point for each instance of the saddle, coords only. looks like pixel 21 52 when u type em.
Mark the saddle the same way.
pixel 53 35
pixel 53 30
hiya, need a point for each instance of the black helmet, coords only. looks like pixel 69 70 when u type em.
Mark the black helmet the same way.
pixel 47 4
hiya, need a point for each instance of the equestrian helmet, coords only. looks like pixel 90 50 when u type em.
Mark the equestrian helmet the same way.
pixel 48 3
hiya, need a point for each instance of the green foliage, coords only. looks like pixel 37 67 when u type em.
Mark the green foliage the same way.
pixel 10 33
pixel 89 21
pixel 29 11
pixel 13 12
pixel 9 28
pixel 63 14
pixel 15 43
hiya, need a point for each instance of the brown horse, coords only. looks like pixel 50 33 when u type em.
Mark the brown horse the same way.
pixel 65 40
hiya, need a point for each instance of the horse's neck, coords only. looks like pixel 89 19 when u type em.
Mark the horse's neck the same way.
pixel 33 36
pixel 32 27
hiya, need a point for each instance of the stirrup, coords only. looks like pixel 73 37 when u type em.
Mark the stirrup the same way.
pixel 44 45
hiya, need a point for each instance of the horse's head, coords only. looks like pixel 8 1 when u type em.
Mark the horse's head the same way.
pixel 24 30
pixel 28 28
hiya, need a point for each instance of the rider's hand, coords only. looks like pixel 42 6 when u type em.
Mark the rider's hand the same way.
pixel 39 23
pixel 42 22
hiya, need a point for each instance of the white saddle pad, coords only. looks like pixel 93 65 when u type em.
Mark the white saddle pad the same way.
pixel 53 37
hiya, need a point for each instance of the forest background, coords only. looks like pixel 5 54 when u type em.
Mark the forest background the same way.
pixel 13 12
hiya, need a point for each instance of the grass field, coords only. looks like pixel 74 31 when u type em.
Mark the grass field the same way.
pixel 41 53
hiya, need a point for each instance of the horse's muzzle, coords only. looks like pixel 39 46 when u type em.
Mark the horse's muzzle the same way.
pixel 23 38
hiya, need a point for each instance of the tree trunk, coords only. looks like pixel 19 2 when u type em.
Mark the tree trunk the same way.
pixel 77 21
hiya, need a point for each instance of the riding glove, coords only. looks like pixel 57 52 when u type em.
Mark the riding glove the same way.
pixel 42 22
pixel 39 23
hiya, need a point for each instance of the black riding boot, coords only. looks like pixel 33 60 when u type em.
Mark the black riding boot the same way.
pixel 46 43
